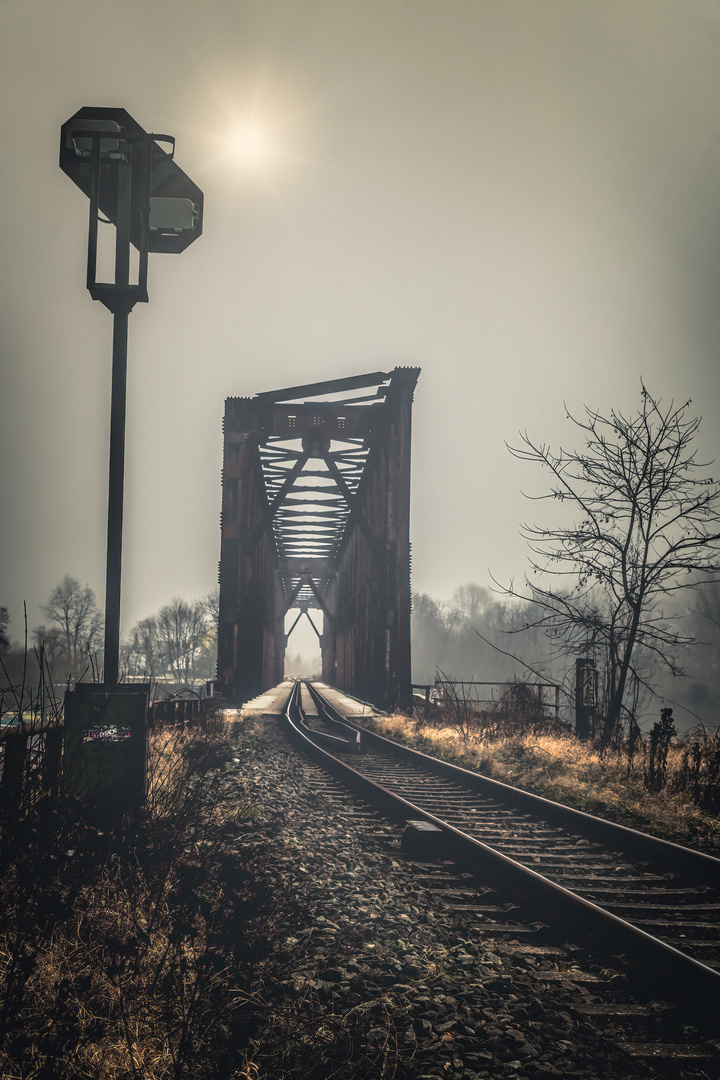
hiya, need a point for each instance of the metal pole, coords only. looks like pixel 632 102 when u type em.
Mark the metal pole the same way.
pixel 115 498
pixel 121 310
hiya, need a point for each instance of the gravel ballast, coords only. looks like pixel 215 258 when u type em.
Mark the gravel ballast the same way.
pixel 373 975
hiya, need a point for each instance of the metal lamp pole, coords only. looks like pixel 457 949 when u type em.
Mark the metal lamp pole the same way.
pixel 156 207
pixel 120 298
pixel 118 398
pixel 115 498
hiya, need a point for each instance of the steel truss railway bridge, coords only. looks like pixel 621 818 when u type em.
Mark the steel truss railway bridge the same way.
pixel 316 518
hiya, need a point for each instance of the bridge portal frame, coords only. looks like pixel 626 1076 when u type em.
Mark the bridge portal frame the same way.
pixel 316 516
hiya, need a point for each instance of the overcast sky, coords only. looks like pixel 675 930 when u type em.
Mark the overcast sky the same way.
pixel 519 196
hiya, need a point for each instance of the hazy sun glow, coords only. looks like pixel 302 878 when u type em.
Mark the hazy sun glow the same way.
pixel 260 132
pixel 251 145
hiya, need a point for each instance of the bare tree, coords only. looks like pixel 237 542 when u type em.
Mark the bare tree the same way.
pixel 182 627
pixel 144 655
pixel 75 631
pixel 211 606
pixel 207 657
pixel 4 623
pixel 648 524
pixel 179 641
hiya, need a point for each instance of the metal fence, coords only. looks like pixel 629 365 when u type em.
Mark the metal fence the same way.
pixel 469 694
pixel 182 708
pixel 30 764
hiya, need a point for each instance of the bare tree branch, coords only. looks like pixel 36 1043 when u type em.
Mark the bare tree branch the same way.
pixel 648 524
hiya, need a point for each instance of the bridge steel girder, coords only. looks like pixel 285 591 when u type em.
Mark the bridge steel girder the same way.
pixel 250 653
pixel 316 514
pixel 371 593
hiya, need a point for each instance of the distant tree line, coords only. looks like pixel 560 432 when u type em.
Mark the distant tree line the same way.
pixel 466 637
pixel 450 637
pixel 4 623
pixel 178 644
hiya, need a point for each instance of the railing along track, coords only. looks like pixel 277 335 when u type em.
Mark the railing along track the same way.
pixel 615 888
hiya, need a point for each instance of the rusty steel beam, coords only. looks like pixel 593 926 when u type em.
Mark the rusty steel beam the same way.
pixel 331 386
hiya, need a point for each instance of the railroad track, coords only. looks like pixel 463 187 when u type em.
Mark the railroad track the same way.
pixel 618 892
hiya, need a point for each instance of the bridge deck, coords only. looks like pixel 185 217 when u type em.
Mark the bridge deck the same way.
pixel 274 701
pixel 271 702
pixel 348 706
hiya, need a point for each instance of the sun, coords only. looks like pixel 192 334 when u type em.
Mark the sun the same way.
pixel 251 146
pixel 256 126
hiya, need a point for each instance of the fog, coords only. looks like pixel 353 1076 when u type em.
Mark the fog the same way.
pixel 477 634
pixel 518 197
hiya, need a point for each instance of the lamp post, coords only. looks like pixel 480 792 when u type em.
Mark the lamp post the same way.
pixel 135 183
pixel 153 205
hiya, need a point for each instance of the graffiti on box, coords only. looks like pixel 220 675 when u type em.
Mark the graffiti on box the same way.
pixel 111 734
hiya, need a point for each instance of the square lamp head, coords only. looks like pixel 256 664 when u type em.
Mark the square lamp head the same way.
pixel 170 215
pixel 82 145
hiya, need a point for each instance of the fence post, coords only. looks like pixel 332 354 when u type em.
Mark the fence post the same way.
pixel 52 760
pixel 585 697
pixel 11 787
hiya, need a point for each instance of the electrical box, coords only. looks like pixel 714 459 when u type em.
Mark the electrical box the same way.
pixel 106 743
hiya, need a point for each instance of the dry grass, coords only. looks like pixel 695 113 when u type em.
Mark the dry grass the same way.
pixel 153 949
pixel 561 767
pixel 123 953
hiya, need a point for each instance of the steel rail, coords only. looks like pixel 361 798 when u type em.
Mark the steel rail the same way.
pixel 692 986
pixel 346 737
pixel 694 865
